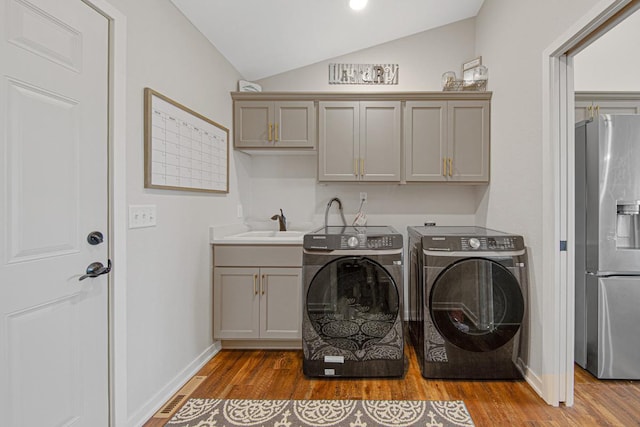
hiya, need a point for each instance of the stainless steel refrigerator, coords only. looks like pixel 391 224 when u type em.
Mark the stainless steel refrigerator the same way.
pixel 608 246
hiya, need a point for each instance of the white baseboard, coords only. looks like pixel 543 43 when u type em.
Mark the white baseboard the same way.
pixel 143 414
pixel 530 377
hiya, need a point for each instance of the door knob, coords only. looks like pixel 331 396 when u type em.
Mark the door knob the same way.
pixel 95 238
pixel 96 269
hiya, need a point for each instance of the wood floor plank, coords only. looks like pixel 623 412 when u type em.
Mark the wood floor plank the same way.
pixel 277 374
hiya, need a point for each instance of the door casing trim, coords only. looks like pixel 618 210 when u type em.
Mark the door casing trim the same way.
pixel 558 115
pixel 117 236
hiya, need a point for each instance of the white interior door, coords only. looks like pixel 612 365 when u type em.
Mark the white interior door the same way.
pixel 54 193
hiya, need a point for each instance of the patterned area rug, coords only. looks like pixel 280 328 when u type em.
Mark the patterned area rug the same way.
pixel 334 413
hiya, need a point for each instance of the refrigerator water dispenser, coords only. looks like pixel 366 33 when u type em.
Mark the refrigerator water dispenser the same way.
pixel 628 225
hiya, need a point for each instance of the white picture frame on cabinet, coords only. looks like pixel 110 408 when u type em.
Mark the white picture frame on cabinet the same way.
pixel 469 67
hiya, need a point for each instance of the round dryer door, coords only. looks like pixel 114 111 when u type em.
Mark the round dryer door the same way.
pixel 477 304
pixel 352 303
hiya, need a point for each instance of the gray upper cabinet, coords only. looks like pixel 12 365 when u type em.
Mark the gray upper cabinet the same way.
pixel 447 140
pixel 425 140
pixel 359 141
pixel 372 136
pixel 274 124
pixel 590 104
pixel 338 140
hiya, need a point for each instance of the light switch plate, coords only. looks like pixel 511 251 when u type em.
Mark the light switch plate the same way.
pixel 142 216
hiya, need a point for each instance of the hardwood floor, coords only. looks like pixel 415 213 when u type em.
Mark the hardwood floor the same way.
pixel 274 374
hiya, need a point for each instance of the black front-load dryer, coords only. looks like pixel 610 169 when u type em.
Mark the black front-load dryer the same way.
pixel 467 293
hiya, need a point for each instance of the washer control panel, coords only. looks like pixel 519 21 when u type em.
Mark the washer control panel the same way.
pixel 363 241
pixel 368 238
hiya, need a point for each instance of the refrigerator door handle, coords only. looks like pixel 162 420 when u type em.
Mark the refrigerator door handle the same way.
pixel 613 273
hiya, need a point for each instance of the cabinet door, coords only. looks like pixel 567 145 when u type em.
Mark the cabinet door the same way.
pixel 339 136
pixel 468 141
pixel 379 149
pixel 294 124
pixel 425 140
pixel 587 109
pixel 281 303
pixel 617 107
pixel 253 121
pixel 236 302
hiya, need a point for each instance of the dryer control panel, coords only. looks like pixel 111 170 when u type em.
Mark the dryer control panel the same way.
pixel 471 243
pixel 488 243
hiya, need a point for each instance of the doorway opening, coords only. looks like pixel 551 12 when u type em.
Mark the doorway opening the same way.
pixel 558 128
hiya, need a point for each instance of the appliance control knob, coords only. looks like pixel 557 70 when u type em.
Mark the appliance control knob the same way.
pixel 352 242
pixel 474 243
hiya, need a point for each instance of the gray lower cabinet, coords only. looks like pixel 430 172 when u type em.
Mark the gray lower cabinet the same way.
pixel 359 141
pixel 257 303
pixel 274 124
pixel 254 298
pixel 447 140
pixel 590 104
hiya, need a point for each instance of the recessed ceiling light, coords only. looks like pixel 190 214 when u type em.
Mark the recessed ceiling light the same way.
pixel 357 4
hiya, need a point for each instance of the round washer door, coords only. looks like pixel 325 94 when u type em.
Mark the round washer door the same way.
pixel 476 304
pixel 352 302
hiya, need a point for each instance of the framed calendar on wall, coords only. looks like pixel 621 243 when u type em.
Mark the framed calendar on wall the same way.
pixel 183 150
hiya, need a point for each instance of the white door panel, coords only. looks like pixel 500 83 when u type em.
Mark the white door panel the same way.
pixel 53 193
pixel 38 171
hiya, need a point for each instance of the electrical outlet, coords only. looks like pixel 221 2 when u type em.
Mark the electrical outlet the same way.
pixel 142 216
pixel 363 196
pixel 239 211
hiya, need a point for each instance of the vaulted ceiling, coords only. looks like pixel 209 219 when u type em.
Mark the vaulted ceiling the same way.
pixel 262 38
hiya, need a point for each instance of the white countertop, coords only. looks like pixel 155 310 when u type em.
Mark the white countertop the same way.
pixel 244 234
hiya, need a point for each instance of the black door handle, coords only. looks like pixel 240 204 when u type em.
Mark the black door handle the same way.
pixel 96 269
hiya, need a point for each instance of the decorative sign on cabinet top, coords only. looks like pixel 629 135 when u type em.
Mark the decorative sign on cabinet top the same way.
pixel 363 74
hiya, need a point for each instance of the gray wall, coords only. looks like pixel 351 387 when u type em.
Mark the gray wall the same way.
pixel 611 63
pixel 290 182
pixel 422 59
pixel 511 36
pixel 169 289
pixel 169 318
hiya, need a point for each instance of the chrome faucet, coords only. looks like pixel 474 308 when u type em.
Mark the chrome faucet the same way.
pixel 326 212
pixel 282 220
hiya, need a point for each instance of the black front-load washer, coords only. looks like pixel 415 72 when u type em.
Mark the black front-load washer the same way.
pixel 352 319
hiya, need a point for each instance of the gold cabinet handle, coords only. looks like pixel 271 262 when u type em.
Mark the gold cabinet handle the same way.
pixel 276 137
pixel 597 110
pixel 263 284
pixel 450 167
pixel 444 166
pixel 361 167
pixel 255 284
pixel 355 167
pixel 270 125
pixel 590 111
